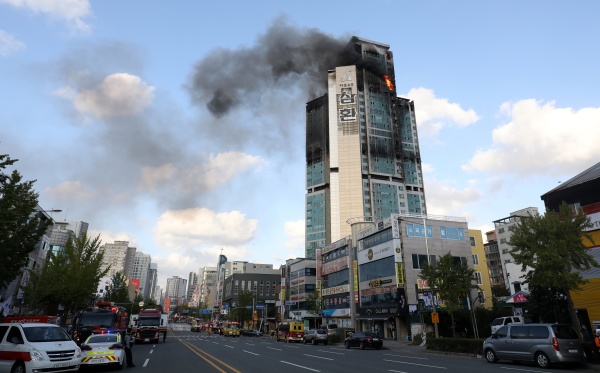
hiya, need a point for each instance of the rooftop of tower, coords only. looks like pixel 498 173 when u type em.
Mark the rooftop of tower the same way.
pixel 355 39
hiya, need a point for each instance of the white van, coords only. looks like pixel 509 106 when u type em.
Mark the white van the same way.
pixel 501 321
pixel 37 347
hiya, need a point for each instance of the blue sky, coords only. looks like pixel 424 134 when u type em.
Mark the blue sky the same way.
pixel 104 104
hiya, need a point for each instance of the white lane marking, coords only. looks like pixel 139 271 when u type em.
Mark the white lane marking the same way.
pixel 331 352
pixel 248 352
pixel 151 351
pixel 146 362
pixel 421 365
pixel 250 344
pixel 300 366
pixel 408 357
pixel 319 357
pixel 396 371
pixel 273 348
pixel 522 370
pixel 228 346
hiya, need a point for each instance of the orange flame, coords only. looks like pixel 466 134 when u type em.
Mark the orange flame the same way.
pixel 389 83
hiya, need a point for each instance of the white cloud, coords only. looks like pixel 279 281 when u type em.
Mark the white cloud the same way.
pixel 9 44
pixel 217 170
pixel 294 230
pixel 71 11
pixel 177 229
pixel 432 113
pixel 541 139
pixel 118 95
pixel 445 199
pixel 70 190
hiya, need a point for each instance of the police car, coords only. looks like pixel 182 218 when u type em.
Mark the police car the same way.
pixel 104 349
pixel 37 347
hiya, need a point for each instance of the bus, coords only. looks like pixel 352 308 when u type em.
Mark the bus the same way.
pixel 290 331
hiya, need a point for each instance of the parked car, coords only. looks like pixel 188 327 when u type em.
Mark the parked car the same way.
pixel 315 336
pixel 363 340
pixel 103 350
pixel 541 343
pixel 252 333
pixel 330 328
pixel 501 321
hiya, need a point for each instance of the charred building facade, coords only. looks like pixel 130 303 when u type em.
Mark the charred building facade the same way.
pixel 362 150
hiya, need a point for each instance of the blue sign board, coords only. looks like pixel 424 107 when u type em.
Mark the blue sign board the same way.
pixel 260 307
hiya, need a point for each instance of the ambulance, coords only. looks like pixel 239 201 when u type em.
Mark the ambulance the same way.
pixel 37 347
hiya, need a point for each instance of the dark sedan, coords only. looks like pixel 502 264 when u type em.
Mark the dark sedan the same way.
pixel 364 340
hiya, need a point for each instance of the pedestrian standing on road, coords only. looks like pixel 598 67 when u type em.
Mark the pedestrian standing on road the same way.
pixel 128 346
pixel 588 343
pixel 596 347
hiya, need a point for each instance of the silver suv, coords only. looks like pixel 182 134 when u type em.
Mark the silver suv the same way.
pixel 315 336
pixel 541 343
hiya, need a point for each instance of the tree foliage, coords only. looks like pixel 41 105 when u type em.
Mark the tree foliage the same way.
pixel 118 290
pixel 551 250
pixel 20 227
pixel 453 279
pixel 314 306
pixel 548 305
pixel 69 278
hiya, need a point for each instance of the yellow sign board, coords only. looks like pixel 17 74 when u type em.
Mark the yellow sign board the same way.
pixel 435 318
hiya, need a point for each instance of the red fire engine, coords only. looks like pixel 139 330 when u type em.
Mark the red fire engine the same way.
pixel 150 325
pixel 104 317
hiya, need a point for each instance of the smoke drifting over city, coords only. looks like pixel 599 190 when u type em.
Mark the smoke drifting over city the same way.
pixel 283 56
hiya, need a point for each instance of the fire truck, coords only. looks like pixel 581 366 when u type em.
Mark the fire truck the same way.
pixel 104 317
pixel 150 325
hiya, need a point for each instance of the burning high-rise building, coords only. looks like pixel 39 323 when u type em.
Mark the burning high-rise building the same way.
pixel 362 150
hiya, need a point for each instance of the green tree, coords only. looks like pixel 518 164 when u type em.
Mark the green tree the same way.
pixel 20 227
pixel 454 280
pixel 69 278
pixel 314 306
pixel 551 251
pixel 118 290
pixel 244 306
pixel 548 305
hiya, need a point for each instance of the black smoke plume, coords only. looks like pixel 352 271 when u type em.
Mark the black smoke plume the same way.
pixel 284 55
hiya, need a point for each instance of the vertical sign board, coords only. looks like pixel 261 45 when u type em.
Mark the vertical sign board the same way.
pixel 355 273
pixel 399 274
pixel 347 102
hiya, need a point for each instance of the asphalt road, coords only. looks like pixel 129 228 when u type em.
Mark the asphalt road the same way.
pixel 185 351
